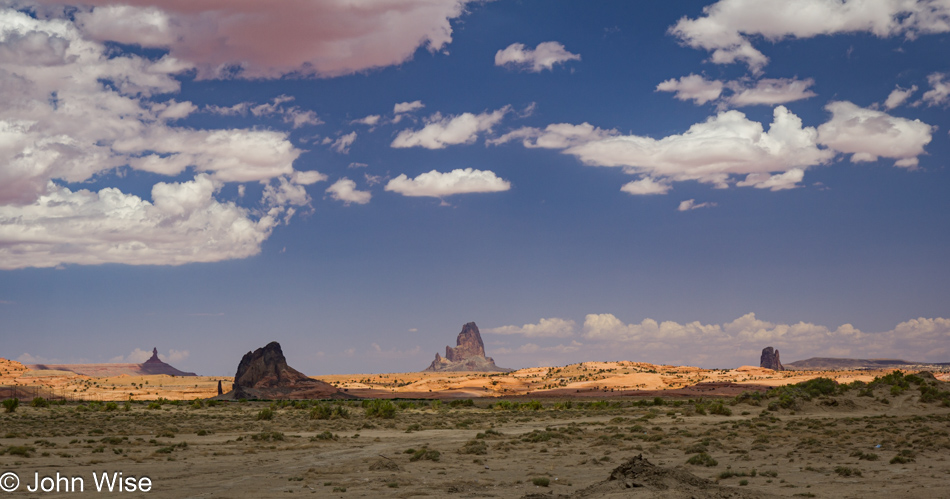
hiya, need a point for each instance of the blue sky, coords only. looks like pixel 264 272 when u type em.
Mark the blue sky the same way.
pixel 669 182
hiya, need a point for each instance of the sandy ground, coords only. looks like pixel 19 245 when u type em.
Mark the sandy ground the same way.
pixel 840 446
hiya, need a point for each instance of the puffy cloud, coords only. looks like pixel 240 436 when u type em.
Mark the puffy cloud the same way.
pixel 542 57
pixel 450 130
pixel 342 144
pixel 939 93
pixel 723 145
pixel 293 115
pixel 769 91
pixel 693 87
pixel 545 328
pixel 766 91
pixel 437 184
pixel 726 26
pixel 868 134
pixel 691 204
pixel 223 38
pixel 555 136
pixel 286 192
pixel 370 120
pixel 898 96
pixel 345 190
pixel 183 223
pixel 646 186
pixel 739 341
pixel 407 107
pixel 777 182
pixel 308 177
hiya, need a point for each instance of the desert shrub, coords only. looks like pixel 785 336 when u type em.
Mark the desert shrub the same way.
pixel 10 405
pixel 379 408
pixel 541 481
pixel 18 450
pixel 866 457
pixel 268 436
pixel 110 407
pixel 197 404
pixel 154 405
pixel 475 447
pixel 462 403
pixel 321 411
pixel 266 414
pixel 326 435
pixel 658 401
pixel 39 402
pixel 720 409
pixel 531 405
pixel 845 471
pixel 695 449
pixel 431 455
pixel 702 459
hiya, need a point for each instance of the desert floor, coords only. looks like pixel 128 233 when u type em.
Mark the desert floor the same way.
pixel 888 444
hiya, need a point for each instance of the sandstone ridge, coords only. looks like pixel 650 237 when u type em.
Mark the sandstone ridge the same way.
pixel 467 355
pixel 264 374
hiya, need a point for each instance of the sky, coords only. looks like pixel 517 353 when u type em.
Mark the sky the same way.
pixel 667 182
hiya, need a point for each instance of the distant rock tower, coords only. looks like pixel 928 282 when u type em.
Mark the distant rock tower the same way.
pixel 220 391
pixel 154 358
pixel 770 359
pixel 467 355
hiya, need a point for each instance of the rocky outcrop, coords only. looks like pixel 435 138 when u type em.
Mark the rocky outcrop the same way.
pixel 264 374
pixel 770 359
pixel 467 355
pixel 152 366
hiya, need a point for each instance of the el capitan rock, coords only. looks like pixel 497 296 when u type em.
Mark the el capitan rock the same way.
pixel 264 374
pixel 467 355
pixel 770 359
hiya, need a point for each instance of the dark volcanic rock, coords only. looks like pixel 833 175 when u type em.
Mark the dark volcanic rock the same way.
pixel 770 359
pixel 468 354
pixel 264 374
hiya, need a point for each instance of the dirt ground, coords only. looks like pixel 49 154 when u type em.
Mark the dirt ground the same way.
pixel 887 443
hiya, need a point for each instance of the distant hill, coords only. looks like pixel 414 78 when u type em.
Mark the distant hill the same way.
pixel 151 366
pixel 831 364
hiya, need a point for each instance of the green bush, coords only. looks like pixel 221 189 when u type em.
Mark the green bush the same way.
pixel 379 408
pixel 702 459
pixel 39 402
pixel 10 405
pixel 266 414
pixel 321 411
pixel 541 481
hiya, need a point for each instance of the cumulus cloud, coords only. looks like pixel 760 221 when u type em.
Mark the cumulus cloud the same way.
pixel 308 177
pixel 724 145
pixel 739 341
pixel 183 223
pixel 691 204
pixel 254 40
pixel 868 134
pixel 777 182
pixel 407 107
pixel 342 144
pixel 292 115
pixel 437 184
pixel 693 87
pixel 370 120
pixel 646 186
pixel 765 91
pixel 899 96
pixel 545 328
pixel 440 131
pixel 542 57
pixel 725 28
pixel 939 93
pixel 345 190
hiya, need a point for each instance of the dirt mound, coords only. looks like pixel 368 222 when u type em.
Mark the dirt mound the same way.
pixel 638 477
pixel 264 374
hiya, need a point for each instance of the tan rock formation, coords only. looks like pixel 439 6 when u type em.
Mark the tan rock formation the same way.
pixel 467 355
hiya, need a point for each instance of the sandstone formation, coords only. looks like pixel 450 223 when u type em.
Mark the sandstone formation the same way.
pixel 770 359
pixel 468 354
pixel 264 374
pixel 153 365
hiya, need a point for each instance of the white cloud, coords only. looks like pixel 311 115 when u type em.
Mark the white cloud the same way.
pixel 899 96
pixel 345 190
pixel 370 120
pixel 868 134
pixel 726 27
pixel 545 328
pixel 939 93
pixel 724 145
pixel 357 165
pixel 27 359
pixel 769 91
pixel 646 186
pixel 555 136
pixel 308 177
pixel 254 40
pixel 691 204
pixel 740 341
pixel 407 107
pixel 777 182
pixel 437 184
pixel 766 91
pixel 293 115
pixel 542 57
pixel 183 223
pixel 342 144
pixel 693 87
pixel 286 192
pixel 451 130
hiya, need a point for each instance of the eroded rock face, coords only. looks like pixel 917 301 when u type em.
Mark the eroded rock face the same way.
pixel 467 355
pixel 264 374
pixel 770 359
